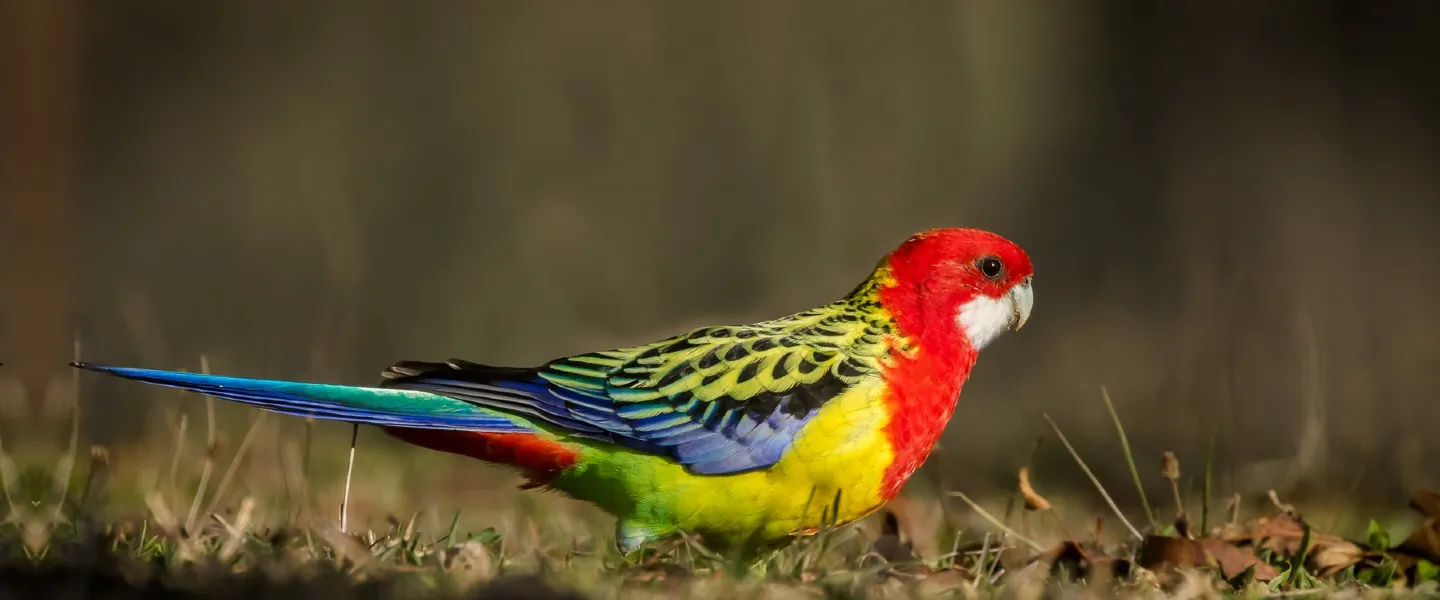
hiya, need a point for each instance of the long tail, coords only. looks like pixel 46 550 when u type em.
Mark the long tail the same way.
pixel 398 408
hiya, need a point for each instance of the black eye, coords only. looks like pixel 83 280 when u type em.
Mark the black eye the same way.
pixel 991 267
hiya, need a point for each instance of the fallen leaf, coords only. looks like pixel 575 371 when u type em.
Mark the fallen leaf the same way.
pixel 1233 560
pixel 1426 502
pixel 1326 560
pixel 1423 543
pixel 1282 534
pixel 1164 554
pixel 1158 551
pixel 1089 561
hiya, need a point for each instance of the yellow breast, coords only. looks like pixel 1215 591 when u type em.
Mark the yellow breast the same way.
pixel 841 450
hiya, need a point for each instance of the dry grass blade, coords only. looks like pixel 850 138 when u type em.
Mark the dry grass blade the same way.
pixel 984 552
pixel 181 431
pixel 211 447
pixel 235 462
pixel 238 529
pixel 349 472
pixel 163 517
pixel 67 462
pixel 1080 461
pixel 9 476
pixel 996 522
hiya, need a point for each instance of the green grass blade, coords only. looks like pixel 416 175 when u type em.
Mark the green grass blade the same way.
pixel 1129 458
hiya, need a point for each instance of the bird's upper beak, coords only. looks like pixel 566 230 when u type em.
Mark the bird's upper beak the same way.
pixel 1022 299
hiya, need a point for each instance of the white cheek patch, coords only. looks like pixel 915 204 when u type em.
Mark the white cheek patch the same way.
pixel 985 319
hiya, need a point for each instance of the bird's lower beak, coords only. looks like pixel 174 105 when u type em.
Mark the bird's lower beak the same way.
pixel 1022 299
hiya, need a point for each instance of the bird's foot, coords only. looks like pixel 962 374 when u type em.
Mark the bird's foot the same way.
pixel 631 536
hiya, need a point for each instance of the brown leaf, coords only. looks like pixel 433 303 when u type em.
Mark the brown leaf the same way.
pixel 1424 542
pixel 1159 552
pixel 1164 556
pixel 1033 500
pixel 1328 554
pixel 1328 559
pixel 1163 553
pixel 1084 561
pixel 1233 560
pixel 1426 502
pixel 1065 552
pixel 1281 534
pixel 1285 534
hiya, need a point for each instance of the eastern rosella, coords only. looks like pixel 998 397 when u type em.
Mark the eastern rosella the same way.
pixel 742 434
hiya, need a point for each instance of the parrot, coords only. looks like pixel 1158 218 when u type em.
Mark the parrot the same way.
pixel 743 435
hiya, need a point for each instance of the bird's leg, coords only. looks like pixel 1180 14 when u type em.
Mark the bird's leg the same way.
pixel 630 536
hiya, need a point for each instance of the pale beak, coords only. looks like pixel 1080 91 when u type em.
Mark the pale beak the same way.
pixel 1022 299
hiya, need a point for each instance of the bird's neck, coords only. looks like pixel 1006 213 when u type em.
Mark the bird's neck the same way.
pixel 928 360
pixel 921 394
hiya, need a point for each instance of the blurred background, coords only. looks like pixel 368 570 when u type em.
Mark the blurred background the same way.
pixel 1232 209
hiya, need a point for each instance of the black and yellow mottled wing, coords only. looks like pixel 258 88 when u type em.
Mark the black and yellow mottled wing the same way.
pixel 728 399
pixel 718 400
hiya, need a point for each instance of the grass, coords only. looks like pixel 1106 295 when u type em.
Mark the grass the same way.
pixel 126 524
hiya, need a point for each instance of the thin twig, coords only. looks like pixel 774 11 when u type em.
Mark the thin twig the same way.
pixel 349 471
pixel 996 522
pixel 172 483
pixel 1093 479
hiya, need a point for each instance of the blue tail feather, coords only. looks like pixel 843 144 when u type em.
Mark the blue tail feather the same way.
pixel 377 406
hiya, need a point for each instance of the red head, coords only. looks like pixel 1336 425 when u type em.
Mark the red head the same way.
pixel 951 292
pixel 958 287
